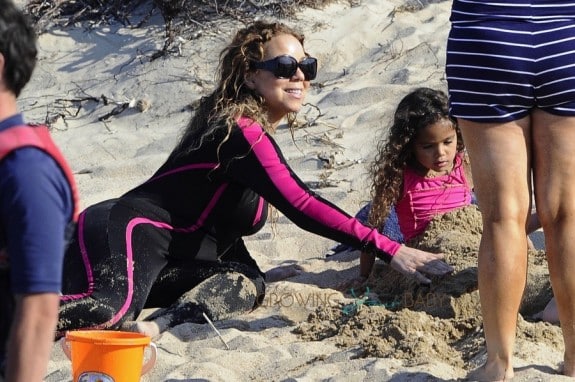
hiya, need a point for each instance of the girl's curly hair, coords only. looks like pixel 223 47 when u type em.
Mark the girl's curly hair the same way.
pixel 232 98
pixel 419 109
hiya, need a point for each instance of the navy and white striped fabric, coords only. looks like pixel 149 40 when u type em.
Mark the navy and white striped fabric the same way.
pixel 509 56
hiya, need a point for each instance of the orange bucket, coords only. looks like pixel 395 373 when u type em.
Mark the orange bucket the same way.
pixel 108 356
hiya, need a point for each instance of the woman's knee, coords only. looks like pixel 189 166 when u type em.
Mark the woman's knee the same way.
pixel 98 310
pixel 85 314
pixel 511 214
pixel 558 216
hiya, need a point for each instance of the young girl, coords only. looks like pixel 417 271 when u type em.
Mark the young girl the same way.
pixel 418 173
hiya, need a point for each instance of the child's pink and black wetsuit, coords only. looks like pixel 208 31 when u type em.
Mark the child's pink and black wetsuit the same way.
pixel 186 223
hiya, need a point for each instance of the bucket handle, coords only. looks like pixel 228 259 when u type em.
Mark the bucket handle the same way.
pixel 66 347
pixel 149 364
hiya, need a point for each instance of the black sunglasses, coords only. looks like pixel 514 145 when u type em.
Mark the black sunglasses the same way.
pixel 286 66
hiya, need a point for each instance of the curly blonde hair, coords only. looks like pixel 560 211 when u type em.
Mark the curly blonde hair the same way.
pixel 416 111
pixel 232 98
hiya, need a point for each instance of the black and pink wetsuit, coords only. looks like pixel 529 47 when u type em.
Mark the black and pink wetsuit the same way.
pixel 190 217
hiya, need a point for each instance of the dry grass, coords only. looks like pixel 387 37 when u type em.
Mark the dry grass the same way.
pixel 186 19
pixel 193 13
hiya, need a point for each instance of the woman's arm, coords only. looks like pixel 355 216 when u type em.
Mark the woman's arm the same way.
pixel 252 158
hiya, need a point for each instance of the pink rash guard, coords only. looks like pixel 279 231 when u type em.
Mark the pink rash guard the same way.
pixel 423 198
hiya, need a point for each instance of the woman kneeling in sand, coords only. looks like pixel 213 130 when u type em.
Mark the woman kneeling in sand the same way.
pixel 177 238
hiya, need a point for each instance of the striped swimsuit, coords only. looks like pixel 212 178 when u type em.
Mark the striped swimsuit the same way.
pixel 507 57
pixel 186 224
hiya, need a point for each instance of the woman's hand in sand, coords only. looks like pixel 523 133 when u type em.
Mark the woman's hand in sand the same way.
pixel 414 262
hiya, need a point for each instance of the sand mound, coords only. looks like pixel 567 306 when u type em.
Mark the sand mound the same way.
pixel 397 317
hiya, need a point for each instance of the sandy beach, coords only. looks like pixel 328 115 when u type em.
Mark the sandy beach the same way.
pixel 371 53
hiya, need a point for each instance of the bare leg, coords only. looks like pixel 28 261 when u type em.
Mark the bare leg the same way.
pixel 500 162
pixel 554 170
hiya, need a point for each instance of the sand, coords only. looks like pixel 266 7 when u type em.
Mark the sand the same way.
pixel 371 53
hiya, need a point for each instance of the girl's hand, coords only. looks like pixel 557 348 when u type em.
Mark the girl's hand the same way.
pixel 412 262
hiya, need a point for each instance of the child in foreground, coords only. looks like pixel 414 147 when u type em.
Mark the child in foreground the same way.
pixel 38 199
